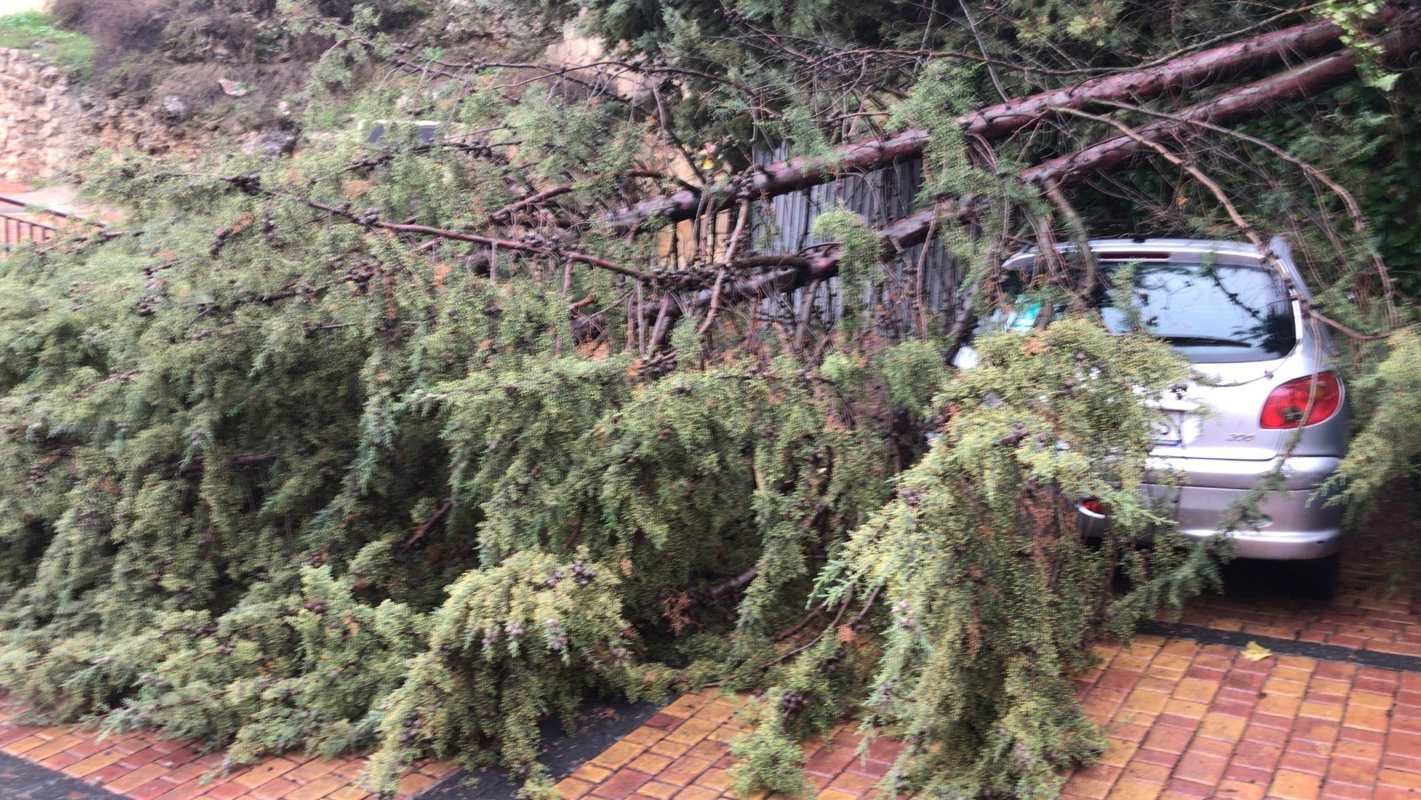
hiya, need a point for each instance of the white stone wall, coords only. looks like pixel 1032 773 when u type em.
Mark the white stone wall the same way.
pixel 39 118
pixel 47 125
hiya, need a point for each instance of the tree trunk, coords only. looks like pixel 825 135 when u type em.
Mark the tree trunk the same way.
pixel 1243 102
pixel 994 122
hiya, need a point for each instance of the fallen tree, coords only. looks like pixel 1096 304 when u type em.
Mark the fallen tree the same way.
pixel 1218 64
pixel 403 446
pixel 1308 80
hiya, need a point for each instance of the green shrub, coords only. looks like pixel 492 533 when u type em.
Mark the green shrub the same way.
pixel 36 31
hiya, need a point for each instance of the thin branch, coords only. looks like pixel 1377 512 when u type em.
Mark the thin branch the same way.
pixel 1354 210
pixel 1237 218
pixel 1079 236
pixel 720 273
pixel 536 199
pixel 527 245
pixel 428 525
pixel 982 45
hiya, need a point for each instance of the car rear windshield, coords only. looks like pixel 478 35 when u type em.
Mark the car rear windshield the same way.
pixel 1210 313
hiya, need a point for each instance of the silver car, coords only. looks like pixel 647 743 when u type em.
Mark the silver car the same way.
pixel 1262 367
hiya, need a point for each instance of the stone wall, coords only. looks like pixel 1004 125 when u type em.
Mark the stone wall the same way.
pixel 47 124
pixel 38 113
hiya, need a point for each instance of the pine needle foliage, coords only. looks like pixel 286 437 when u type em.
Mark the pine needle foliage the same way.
pixel 403 446
pixel 1389 442
pixel 352 491
pixel 992 594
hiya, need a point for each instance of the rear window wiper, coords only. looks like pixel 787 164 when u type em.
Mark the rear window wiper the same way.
pixel 1201 341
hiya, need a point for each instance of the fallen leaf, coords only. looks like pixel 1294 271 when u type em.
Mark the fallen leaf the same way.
pixel 1256 652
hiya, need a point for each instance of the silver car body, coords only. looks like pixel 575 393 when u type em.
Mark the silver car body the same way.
pixel 1212 441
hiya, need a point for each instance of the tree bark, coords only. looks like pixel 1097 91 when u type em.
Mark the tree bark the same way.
pixel 1232 60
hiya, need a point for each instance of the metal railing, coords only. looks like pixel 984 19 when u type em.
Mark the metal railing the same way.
pixel 24 223
pixel 16 230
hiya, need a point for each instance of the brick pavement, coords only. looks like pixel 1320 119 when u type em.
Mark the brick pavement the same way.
pixel 1378 607
pixel 143 767
pixel 684 753
pixel 1189 720
pixel 1184 719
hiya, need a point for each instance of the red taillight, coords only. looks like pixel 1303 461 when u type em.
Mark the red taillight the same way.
pixel 1288 404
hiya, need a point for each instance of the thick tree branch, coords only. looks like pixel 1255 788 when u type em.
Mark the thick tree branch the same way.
pixel 1232 60
pixel 1307 80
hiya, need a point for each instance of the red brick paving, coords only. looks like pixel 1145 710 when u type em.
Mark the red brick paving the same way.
pixel 1361 618
pixel 142 767
pixel 1378 607
pixel 1183 719
pixel 683 753
pixel 1186 719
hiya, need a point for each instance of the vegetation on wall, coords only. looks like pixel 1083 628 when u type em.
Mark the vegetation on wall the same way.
pixel 36 31
pixel 408 444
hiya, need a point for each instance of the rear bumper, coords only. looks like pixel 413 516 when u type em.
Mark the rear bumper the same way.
pixel 1299 472
pixel 1297 523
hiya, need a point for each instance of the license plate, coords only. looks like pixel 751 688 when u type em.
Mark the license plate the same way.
pixel 1168 430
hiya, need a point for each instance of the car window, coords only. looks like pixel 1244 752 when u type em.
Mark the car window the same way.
pixel 1210 313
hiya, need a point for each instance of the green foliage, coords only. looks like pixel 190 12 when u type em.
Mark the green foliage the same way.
pixel 322 471
pixel 297 671
pixel 1389 441
pixel 359 488
pixel 819 687
pixel 36 31
pixel 1378 170
pixel 992 594
pixel 511 645
pixel 913 371
pixel 325 502
pixel 862 251
pixel 1096 22
pixel 941 95
pixel 768 758
pixel 1350 16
